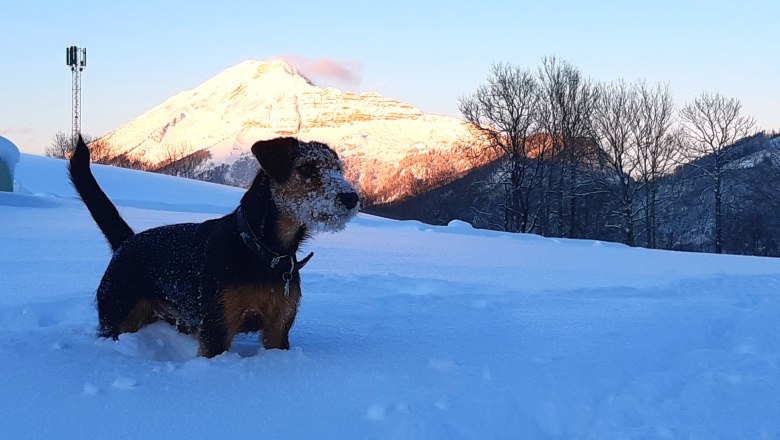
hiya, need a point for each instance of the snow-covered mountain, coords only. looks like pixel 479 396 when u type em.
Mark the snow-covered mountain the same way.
pixel 388 146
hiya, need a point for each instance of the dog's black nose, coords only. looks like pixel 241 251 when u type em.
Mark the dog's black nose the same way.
pixel 349 200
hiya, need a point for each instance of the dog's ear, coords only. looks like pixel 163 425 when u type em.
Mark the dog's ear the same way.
pixel 276 156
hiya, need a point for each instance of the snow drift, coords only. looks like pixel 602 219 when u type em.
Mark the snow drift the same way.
pixel 405 331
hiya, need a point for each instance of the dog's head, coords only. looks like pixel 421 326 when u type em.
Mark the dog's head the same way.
pixel 307 183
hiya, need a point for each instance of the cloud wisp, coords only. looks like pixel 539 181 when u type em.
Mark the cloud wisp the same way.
pixel 325 70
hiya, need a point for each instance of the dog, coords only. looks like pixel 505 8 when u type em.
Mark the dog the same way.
pixel 230 275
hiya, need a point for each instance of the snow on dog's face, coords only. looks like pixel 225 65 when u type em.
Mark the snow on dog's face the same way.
pixel 307 183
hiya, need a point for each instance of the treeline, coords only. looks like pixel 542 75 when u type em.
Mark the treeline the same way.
pixel 583 159
pixel 176 159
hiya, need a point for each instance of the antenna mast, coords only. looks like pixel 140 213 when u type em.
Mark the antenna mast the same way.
pixel 76 58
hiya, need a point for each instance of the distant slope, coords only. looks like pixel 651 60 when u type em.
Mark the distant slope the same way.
pixel 752 205
pixel 460 199
pixel 48 177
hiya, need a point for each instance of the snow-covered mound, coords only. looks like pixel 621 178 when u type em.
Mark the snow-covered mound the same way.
pixel 405 331
pixel 9 153
pixel 9 156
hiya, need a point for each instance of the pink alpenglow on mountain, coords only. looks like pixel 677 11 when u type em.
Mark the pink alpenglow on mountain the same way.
pixel 389 147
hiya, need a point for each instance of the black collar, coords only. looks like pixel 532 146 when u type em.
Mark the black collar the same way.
pixel 287 265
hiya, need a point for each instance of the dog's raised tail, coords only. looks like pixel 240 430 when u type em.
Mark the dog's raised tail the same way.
pixel 103 211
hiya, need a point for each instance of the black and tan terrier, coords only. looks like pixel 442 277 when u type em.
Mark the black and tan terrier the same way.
pixel 238 273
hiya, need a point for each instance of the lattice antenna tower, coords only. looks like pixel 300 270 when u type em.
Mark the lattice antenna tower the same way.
pixel 76 58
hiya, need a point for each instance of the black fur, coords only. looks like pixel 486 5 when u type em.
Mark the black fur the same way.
pixel 277 158
pixel 183 269
pixel 103 211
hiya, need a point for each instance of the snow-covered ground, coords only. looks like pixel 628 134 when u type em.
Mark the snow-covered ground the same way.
pixel 406 331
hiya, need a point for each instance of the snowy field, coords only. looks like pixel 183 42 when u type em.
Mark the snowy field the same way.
pixel 406 331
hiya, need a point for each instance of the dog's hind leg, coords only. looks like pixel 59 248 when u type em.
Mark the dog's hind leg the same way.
pixel 118 306
pixel 142 313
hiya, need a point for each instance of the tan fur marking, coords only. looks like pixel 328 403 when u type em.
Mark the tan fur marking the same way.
pixel 249 306
pixel 287 230
pixel 142 314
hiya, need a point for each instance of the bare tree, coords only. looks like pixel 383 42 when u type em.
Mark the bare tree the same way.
pixel 613 118
pixel 505 112
pixel 656 150
pixel 101 151
pixel 710 124
pixel 179 159
pixel 63 144
pixel 566 106
pixel 125 161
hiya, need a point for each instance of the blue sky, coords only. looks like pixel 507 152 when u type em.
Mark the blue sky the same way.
pixel 426 53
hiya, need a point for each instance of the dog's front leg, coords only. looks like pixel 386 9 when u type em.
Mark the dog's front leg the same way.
pixel 276 337
pixel 277 333
pixel 213 335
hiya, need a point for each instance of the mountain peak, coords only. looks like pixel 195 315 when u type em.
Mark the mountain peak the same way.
pixel 275 67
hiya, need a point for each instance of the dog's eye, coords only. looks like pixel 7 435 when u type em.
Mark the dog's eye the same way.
pixel 307 170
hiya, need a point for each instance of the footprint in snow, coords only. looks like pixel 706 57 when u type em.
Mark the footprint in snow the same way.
pixel 479 304
pixel 124 383
pixel 90 389
pixel 376 412
pixel 442 404
pixel 440 364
